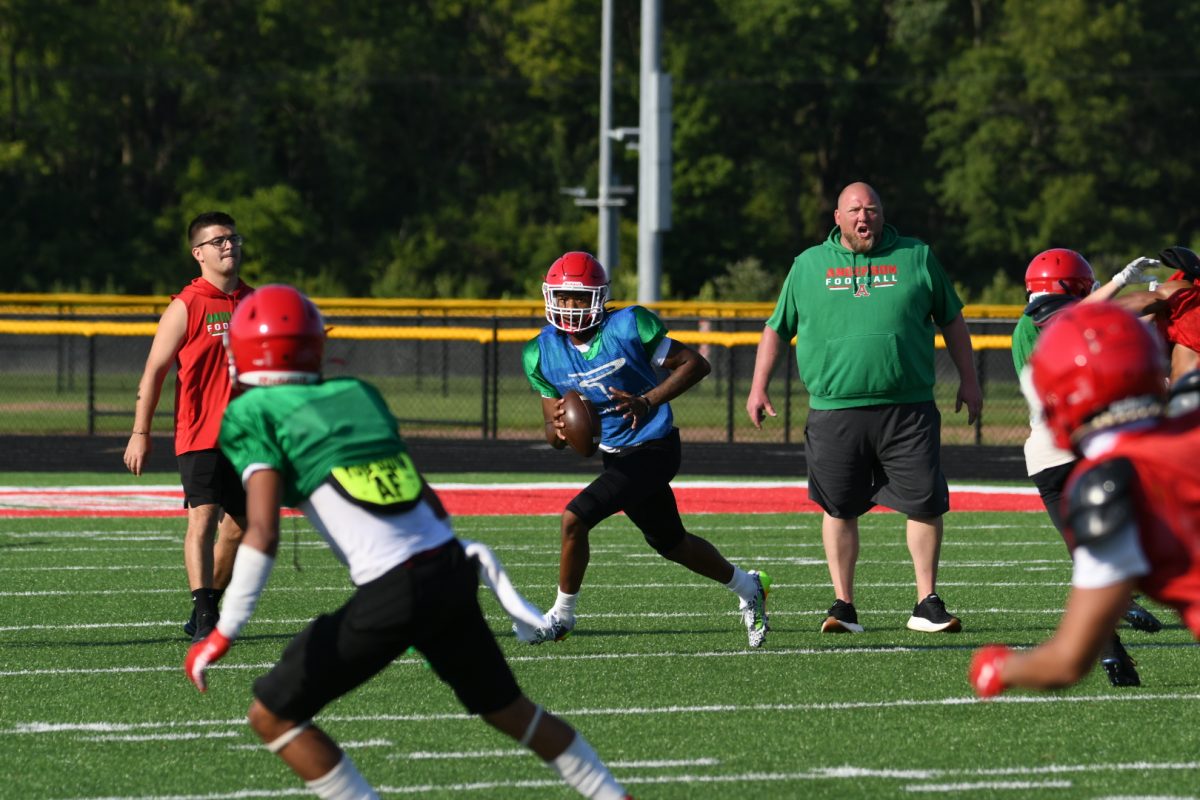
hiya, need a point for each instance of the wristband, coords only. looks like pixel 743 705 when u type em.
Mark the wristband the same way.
pixel 251 568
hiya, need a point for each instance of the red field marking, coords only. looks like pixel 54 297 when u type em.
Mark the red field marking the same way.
pixel 501 499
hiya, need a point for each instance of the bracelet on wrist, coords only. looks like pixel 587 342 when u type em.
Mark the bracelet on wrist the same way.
pixel 139 433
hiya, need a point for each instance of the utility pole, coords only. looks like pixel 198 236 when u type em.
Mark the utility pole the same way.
pixel 654 156
pixel 608 251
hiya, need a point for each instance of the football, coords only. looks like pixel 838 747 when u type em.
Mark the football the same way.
pixel 583 423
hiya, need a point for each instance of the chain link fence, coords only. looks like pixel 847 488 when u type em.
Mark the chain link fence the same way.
pixel 460 377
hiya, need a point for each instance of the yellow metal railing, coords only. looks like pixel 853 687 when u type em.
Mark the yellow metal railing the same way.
pixel 72 304
pixel 416 333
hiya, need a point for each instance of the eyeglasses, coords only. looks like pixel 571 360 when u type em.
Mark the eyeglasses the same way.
pixel 219 242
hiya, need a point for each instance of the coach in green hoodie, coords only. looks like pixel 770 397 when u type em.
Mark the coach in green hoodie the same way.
pixel 863 306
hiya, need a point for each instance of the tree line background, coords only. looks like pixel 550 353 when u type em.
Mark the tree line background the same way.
pixel 419 147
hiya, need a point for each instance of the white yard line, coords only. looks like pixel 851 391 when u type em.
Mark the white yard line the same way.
pixel 818 774
pixel 29 728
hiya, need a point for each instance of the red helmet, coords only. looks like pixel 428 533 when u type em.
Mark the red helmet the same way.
pixel 575 273
pixel 1060 271
pixel 276 336
pixel 1096 366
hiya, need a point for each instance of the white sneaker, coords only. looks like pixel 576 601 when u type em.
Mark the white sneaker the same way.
pixel 555 629
pixel 754 612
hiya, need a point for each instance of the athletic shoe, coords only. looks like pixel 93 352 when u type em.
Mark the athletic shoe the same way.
pixel 1120 668
pixel 189 627
pixel 555 630
pixel 205 623
pixel 842 618
pixel 930 616
pixel 754 613
pixel 1140 618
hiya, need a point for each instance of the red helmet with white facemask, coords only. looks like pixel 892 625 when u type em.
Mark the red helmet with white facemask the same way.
pixel 575 273
pixel 1060 271
pixel 1095 366
pixel 276 336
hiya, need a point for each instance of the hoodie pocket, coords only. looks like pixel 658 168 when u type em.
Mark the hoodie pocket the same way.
pixel 858 366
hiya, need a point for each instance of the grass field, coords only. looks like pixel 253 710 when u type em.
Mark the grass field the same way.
pixel 94 704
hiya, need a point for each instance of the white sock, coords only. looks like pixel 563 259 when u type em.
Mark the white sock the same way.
pixel 564 605
pixel 742 584
pixel 343 782
pixel 584 772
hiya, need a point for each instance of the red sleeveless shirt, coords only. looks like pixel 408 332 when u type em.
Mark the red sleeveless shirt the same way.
pixel 202 386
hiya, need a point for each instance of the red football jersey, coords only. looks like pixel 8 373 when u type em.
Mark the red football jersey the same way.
pixel 1182 322
pixel 1167 502
pixel 202 386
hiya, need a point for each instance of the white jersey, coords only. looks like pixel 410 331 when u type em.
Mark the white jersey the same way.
pixel 370 543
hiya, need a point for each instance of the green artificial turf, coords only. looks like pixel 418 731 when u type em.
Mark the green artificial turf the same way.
pixel 657 675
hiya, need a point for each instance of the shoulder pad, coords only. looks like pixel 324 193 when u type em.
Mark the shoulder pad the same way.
pixel 1185 394
pixel 1042 309
pixel 1100 501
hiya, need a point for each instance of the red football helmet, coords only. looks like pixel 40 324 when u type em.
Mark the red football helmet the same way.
pixel 576 273
pixel 1060 271
pixel 1096 366
pixel 276 336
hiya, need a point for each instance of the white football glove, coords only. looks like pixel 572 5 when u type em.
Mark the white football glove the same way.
pixel 1134 271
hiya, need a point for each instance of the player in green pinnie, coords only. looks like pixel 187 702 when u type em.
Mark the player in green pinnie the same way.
pixel 332 449
pixel 630 370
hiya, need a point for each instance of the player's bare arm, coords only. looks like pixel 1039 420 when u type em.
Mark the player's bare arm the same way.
pixel 264 496
pixel 1064 659
pixel 686 368
pixel 168 338
pixel 958 345
pixel 758 403
pixel 1183 360
pixel 552 413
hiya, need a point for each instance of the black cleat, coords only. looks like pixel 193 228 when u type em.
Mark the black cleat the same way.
pixel 1140 618
pixel 1120 668
pixel 205 623
pixel 189 627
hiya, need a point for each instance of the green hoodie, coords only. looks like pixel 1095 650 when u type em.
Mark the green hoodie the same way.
pixel 864 322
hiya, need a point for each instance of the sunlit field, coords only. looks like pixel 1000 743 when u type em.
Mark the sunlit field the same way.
pixel 94 703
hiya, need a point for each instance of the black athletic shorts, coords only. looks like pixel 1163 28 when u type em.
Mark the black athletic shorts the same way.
pixel 887 455
pixel 638 482
pixel 428 602
pixel 208 479
pixel 1050 483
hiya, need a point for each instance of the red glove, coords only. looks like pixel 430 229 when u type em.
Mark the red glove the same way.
pixel 208 650
pixel 985 670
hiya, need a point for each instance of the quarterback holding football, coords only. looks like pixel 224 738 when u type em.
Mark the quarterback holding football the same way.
pixel 627 367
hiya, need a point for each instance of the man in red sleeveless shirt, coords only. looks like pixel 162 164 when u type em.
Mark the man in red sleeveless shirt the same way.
pixel 1101 378
pixel 189 337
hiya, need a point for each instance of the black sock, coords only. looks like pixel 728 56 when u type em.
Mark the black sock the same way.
pixel 202 600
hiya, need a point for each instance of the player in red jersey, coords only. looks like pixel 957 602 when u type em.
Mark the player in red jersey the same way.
pixel 1101 377
pixel 189 336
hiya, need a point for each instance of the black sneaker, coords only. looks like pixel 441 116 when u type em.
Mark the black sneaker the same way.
pixel 1140 619
pixel 189 627
pixel 930 616
pixel 842 619
pixel 205 623
pixel 1120 668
